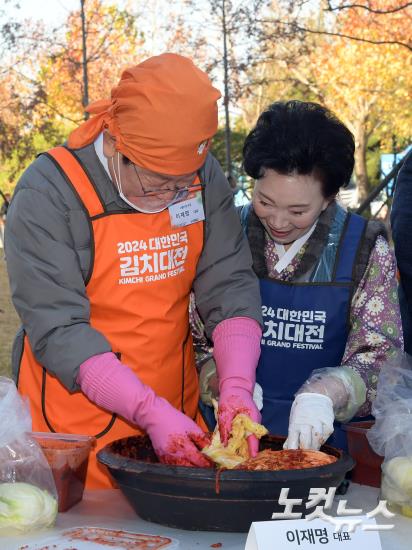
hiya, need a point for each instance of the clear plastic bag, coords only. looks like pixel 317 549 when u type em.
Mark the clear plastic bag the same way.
pixel 391 435
pixel 28 496
pixel 343 385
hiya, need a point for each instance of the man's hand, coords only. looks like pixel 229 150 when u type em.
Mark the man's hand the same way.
pixel 176 438
pixel 233 401
pixel 237 350
pixel 209 386
pixel 112 385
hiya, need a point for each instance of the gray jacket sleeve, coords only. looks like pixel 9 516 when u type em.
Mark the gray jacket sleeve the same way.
pixel 45 275
pixel 225 284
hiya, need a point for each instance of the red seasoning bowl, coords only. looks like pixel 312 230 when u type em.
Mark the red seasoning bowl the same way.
pixel 368 464
pixel 68 457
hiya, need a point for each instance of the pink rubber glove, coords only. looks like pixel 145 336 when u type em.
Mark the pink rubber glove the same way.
pixel 237 351
pixel 175 437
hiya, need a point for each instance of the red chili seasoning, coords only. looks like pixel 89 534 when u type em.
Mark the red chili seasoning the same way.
pixel 118 539
pixel 68 461
pixel 217 479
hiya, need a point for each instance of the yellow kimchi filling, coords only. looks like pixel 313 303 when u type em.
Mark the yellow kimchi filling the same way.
pixel 237 450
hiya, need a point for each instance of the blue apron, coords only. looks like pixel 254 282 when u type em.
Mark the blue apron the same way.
pixel 306 324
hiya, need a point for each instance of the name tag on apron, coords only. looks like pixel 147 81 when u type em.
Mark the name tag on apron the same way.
pixel 187 211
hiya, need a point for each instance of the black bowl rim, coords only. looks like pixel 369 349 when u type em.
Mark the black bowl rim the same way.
pixel 116 461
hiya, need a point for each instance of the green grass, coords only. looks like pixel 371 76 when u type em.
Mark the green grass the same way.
pixel 8 320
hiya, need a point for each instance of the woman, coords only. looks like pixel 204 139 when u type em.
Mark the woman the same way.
pixel 327 278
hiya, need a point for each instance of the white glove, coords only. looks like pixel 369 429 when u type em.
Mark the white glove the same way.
pixel 310 421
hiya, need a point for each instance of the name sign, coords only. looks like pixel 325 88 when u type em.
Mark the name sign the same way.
pixel 187 211
pixel 353 533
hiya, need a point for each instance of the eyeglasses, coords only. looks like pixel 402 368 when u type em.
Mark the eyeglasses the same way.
pixel 179 192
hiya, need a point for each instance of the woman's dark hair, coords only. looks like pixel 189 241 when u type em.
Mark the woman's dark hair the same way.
pixel 304 138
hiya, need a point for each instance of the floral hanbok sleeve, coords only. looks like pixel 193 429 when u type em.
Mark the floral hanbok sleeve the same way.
pixel 376 329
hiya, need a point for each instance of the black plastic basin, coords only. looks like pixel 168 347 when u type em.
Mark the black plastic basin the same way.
pixel 199 499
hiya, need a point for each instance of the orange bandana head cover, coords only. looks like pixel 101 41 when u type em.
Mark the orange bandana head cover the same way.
pixel 162 113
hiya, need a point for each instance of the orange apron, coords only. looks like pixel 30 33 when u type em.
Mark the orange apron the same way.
pixel 142 274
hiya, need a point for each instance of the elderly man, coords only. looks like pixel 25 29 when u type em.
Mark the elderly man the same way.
pixel 106 237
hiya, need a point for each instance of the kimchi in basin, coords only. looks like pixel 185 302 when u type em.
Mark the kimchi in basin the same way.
pixel 207 499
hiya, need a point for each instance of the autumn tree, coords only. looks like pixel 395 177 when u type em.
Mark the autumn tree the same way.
pixel 19 41
pixel 384 13
pixel 226 36
pixel 43 86
pixel 278 49
pixel 368 84
pixel 366 81
pixel 392 21
pixel 112 44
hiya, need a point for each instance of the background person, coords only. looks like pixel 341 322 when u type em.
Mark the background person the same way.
pixel 401 222
pixel 327 279
pixel 105 239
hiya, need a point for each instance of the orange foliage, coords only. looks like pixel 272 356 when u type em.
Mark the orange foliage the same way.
pixel 366 82
pixel 369 84
pixel 112 45
pixel 388 27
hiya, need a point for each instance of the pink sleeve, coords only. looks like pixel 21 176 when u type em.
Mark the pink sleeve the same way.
pixel 237 350
pixel 111 384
